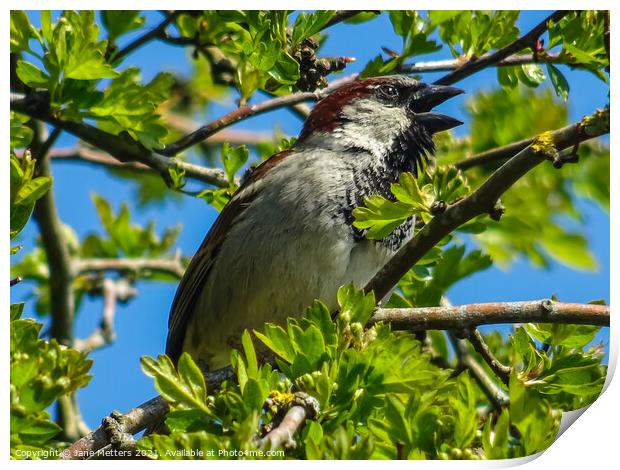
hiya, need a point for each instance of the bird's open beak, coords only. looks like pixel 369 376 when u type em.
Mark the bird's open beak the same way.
pixel 426 99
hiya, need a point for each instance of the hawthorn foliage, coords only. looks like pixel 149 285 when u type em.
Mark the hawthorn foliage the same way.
pixel 382 393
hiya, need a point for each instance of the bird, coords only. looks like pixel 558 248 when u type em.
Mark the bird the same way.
pixel 286 237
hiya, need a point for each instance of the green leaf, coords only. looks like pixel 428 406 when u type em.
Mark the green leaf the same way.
pixel 119 22
pixel 285 70
pixel 31 75
pixel 308 24
pixel 24 201
pixel 276 339
pixel 21 135
pixel 570 336
pixel 16 310
pixel 495 443
pixel 465 413
pixel 192 377
pixel 380 216
pixel 33 431
pixel 581 56
pixel 560 84
pixel 253 395
pixel 187 420
pixel 218 198
pixel 20 31
pixel 250 353
pixel 177 177
pixel 441 16
pixel 233 158
pixel 507 76
pixel 531 75
pixel 355 305
pixel 89 66
pixel 180 392
pixel 308 342
pixel 46 25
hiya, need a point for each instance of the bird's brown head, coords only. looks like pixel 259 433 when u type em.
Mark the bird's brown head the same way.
pixel 388 116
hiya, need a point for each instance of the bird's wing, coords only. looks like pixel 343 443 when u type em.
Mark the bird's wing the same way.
pixel 195 277
pixel 197 272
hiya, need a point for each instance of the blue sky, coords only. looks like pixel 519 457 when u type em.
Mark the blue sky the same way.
pixel 118 382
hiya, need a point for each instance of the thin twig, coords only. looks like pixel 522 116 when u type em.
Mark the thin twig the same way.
pixel 481 201
pixel 343 15
pixel 140 41
pixel 105 334
pixel 172 266
pixel 476 64
pixel 251 110
pixel 494 155
pixel 482 348
pixel 15 281
pixel 494 393
pixel 232 136
pixel 453 64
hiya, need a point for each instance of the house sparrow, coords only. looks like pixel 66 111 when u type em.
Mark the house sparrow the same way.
pixel 287 237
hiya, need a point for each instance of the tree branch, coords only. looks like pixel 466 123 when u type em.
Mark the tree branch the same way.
pixel 494 155
pixel 476 64
pixel 304 407
pixel 62 301
pixel 232 136
pixel 482 200
pixel 122 148
pixel 453 64
pixel 482 348
pixel 494 393
pixel 246 111
pixel 412 319
pixel 343 15
pixel 53 240
pixel 473 315
pixel 172 266
pixel 135 420
pixel 140 41
pixel 105 334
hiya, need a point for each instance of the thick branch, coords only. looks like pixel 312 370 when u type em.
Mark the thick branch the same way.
pixel 120 147
pixel 476 64
pixel 172 266
pixel 413 319
pixel 135 420
pixel 473 315
pixel 304 407
pixel 62 300
pixel 53 240
pixel 481 201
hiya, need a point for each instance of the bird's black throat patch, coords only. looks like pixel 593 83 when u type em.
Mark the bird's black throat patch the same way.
pixel 408 153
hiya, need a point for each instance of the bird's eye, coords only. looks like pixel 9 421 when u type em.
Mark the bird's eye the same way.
pixel 389 91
